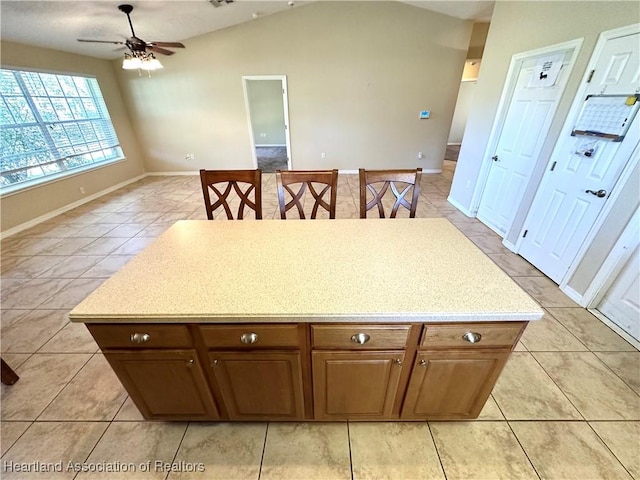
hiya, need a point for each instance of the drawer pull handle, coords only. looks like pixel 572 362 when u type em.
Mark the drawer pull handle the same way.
pixel 140 337
pixel 249 338
pixel 423 363
pixel 360 338
pixel 472 337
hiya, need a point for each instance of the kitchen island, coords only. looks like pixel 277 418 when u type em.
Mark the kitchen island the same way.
pixel 376 319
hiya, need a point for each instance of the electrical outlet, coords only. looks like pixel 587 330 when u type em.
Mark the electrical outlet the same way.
pixel 420 155
pixel 323 155
pixel 190 156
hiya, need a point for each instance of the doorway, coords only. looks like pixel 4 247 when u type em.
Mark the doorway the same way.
pixel 585 166
pixel 268 118
pixel 536 82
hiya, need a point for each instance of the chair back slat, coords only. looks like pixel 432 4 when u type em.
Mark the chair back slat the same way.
pixel 222 182
pixel 408 179
pixel 296 183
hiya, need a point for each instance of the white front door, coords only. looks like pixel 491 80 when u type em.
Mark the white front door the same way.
pixel 621 303
pixel 525 127
pixel 583 169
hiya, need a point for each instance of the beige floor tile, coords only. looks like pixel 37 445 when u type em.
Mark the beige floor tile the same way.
pixel 72 294
pixel 97 230
pixel 525 392
pixel 32 330
pixel 68 246
pixel 31 267
pixel 306 450
pixel 133 246
pixel 107 267
pixel 14 360
pixel 480 450
pixel 128 412
pixel 42 377
pixel 490 411
pixel 102 246
pixel 623 439
pixel 548 335
pixel 592 388
pixel 514 265
pixel 476 229
pixel 520 347
pixel 72 266
pixel 126 230
pixel 590 331
pixel 95 393
pixel 32 293
pixel 28 246
pixel 10 432
pixel 56 443
pixel 73 338
pixel 137 443
pixel 226 451
pixel 567 450
pixel 545 292
pixel 393 450
pixel 489 244
pixel 626 365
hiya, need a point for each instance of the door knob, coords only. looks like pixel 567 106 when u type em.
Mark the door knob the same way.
pixel 599 193
pixel 494 158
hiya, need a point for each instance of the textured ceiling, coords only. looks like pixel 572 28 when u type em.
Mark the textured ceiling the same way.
pixel 57 24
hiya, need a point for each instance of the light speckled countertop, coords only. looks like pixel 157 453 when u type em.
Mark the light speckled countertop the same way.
pixel 373 270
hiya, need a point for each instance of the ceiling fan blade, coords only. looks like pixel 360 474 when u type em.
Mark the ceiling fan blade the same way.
pixel 165 44
pixel 163 51
pixel 101 41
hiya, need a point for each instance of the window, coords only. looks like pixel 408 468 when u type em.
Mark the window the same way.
pixel 51 125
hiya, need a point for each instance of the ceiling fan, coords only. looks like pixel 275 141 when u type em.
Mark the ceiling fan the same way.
pixel 139 47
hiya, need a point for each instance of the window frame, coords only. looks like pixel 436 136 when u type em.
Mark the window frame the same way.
pixel 20 187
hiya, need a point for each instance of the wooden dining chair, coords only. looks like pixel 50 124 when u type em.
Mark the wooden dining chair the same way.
pixel 389 178
pixel 222 182
pixel 296 182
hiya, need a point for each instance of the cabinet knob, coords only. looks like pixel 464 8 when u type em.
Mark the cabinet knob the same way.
pixel 214 363
pixel 472 337
pixel 249 338
pixel 360 338
pixel 190 363
pixel 423 363
pixel 140 337
pixel 398 362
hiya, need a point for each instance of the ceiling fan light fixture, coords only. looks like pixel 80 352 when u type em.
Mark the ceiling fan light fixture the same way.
pixel 141 61
pixel 131 62
pixel 150 62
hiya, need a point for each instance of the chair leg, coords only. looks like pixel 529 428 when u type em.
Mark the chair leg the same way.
pixel 9 377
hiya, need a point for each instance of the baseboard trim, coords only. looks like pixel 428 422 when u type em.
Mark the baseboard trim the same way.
pixel 168 174
pixel 575 296
pixel 454 144
pixel 509 245
pixel 629 338
pixel 48 216
pixel 460 207
pixel 270 145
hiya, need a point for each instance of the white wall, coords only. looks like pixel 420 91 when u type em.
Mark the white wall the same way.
pixel 459 122
pixel 267 111
pixel 358 74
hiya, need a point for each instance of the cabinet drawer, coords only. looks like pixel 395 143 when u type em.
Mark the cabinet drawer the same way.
pixel 251 336
pixel 471 335
pixel 141 335
pixel 362 337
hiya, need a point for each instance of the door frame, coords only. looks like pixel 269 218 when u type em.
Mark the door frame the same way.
pixel 285 105
pixel 625 175
pixel 517 60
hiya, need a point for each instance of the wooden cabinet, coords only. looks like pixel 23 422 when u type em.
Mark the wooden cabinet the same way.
pixel 298 371
pixel 258 369
pixel 260 385
pixel 456 368
pixel 159 367
pixel 451 385
pixel 355 385
pixel 165 385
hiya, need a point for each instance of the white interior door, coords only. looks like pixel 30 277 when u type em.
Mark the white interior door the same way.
pixel 525 127
pixel 583 170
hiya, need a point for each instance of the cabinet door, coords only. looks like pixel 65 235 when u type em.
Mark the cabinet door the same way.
pixel 452 385
pixel 355 385
pixel 165 385
pixel 260 385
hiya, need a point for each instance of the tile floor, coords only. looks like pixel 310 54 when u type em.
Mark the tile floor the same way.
pixel 566 406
